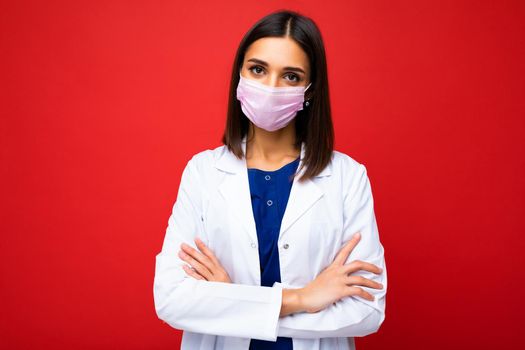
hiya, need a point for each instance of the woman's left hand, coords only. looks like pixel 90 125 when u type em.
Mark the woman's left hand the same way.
pixel 205 265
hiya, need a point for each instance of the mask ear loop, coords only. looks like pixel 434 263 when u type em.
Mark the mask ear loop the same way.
pixel 307 103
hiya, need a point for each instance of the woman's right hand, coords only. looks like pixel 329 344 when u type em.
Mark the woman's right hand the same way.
pixel 335 281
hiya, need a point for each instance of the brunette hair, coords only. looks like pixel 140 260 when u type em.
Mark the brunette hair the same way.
pixel 313 124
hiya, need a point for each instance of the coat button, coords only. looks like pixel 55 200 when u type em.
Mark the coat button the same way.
pixel 254 245
pixel 285 246
pixel 269 202
pixel 267 177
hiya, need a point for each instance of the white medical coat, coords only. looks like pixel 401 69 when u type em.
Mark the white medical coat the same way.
pixel 322 214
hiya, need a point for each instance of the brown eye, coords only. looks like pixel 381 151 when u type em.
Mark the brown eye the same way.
pixel 297 79
pixel 253 68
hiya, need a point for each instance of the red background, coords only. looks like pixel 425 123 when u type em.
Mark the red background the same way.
pixel 104 102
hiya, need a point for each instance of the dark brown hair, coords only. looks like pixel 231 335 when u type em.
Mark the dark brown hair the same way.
pixel 313 124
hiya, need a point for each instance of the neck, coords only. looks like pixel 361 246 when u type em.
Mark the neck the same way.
pixel 271 145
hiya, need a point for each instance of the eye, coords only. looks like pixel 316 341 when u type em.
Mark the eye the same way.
pixel 251 69
pixel 297 78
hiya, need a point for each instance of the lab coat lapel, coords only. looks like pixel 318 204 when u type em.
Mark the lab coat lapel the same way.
pixel 235 189
pixel 302 196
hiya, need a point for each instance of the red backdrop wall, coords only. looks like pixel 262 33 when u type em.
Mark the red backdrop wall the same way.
pixel 104 102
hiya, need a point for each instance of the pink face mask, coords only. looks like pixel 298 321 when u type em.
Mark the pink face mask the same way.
pixel 270 108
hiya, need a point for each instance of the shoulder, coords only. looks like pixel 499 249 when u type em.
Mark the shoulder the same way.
pixel 346 164
pixel 351 174
pixel 204 159
pixel 342 163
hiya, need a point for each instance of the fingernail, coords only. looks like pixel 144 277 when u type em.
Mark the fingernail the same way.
pixel 357 235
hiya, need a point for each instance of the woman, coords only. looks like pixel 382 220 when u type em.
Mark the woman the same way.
pixel 272 242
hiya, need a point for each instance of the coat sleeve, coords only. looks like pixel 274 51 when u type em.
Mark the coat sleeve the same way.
pixel 201 306
pixel 350 316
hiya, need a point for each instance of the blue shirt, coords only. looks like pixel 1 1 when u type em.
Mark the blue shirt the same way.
pixel 269 191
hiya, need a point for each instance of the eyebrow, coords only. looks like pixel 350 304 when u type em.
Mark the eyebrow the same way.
pixel 261 62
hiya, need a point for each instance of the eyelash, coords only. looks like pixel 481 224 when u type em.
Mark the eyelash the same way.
pixel 295 75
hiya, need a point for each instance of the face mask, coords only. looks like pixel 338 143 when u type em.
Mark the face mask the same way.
pixel 270 108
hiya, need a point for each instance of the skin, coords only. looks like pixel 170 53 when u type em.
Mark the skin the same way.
pixel 270 151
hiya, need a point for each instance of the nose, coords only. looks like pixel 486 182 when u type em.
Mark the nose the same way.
pixel 269 80
pixel 272 81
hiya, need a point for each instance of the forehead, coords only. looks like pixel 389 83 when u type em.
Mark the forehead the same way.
pixel 278 52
